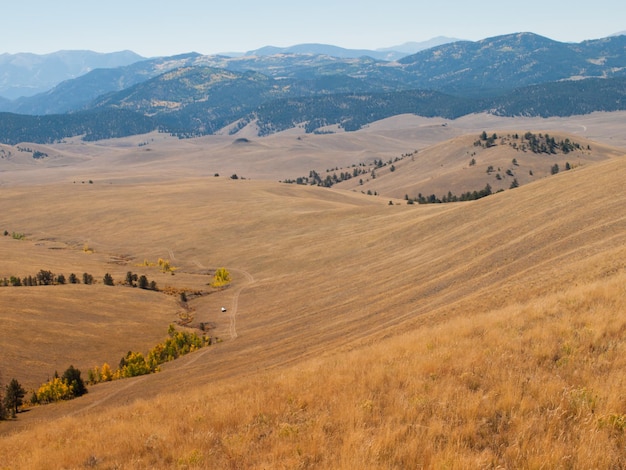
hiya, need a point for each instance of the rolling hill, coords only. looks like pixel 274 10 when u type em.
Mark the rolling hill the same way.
pixel 471 334
pixel 359 329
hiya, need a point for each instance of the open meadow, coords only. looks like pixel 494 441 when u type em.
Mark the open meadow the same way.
pixel 360 331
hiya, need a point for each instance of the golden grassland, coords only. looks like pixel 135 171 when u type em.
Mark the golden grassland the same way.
pixel 478 334
pixel 532 385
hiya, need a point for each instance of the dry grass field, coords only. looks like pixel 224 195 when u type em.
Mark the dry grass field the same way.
pixel 470 335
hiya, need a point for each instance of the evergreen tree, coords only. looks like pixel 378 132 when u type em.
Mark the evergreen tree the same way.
pixel 107 280
pixel 45 278
pixel 13 397
pixel 555 169
pixel 131 279
pixel 72 377
pixel 3 410
pixel 143 282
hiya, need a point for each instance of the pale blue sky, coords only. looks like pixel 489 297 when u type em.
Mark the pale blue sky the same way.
pixel 159 27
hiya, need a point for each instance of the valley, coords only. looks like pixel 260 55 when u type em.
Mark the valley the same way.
pixel 357 333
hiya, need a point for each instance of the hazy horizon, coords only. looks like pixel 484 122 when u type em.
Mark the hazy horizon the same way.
pixel 157 29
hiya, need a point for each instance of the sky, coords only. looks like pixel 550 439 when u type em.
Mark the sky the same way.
pixel 160 28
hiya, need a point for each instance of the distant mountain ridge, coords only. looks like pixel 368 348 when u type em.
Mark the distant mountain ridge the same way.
pixel 387 53
pixel 74 95
pixel 515 60
pixel 26 74
pixel 409 48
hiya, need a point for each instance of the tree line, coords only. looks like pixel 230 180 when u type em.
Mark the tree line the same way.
pixel 71 385
pixel 467 196
pixel 535 143
pixel 48 278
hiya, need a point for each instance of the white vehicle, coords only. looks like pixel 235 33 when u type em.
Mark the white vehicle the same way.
pixel 223 309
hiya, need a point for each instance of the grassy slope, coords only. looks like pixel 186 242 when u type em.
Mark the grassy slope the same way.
pixel 335 272
pixel 446 167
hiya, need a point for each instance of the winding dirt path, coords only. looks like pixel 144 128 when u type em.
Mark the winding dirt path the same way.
pixel 235 304
pixel 232 314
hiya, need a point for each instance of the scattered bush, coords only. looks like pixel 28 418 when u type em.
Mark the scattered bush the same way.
pixel 221 278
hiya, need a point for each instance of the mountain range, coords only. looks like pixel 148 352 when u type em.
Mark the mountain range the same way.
pixel 276 89
pixel 388 53
pixel 26 74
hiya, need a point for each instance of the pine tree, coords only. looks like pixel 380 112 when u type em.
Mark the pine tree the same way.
pixel 72 377
pixel 131 279
pixel 13 397
pixel 3 410
pixel 143 282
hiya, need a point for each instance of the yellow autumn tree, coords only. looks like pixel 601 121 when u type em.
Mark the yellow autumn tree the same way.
pixel 54 390
pixel 133 364
pixel 106 374
pixel 221 278
pixel 165 266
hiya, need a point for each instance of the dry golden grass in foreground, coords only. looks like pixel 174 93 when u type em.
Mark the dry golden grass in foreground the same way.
pixel 536 385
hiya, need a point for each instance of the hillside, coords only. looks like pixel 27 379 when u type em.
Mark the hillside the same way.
pixel 513 61
pixel 467 164
pixel 482 333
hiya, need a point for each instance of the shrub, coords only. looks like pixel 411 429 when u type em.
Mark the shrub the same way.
pixel 221 278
